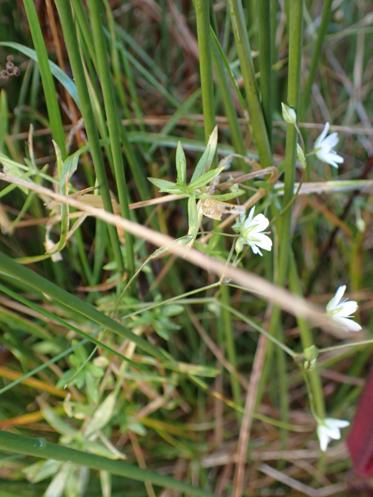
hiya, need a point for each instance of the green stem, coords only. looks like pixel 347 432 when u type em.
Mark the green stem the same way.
pixel 207 88
pixel 104 73
pixel 293 98
pixel 50 93
pixel 230 111
pixel 295 51
pixel 265 60
pixel 315 59
pixel 203 32
pixel 71 41
pixel 307 341
pixel 260 134
pixel 39 447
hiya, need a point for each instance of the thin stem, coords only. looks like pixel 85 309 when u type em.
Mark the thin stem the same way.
pixel 203 33
pixel 68 28
pixel 307 341
pixel 315 59
pixel 50 93
pixel 103 69
pixel 258 125
pixel 207 87
pixel 295 51
pixel 265 60
pixel 230 111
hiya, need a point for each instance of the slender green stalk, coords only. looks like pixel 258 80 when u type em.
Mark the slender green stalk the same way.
pixel 104 71
pixel 51 98
pixel 282 265
pixel 258 125
pixel 68 28
pixel 307 341
pixel 265 60
pixel 40 448
pixel 202 8
pixel 315 59
pixel 293 99
pixel 203 31
pixel 230 111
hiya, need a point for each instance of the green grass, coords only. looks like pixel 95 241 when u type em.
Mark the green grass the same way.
pixel 145 347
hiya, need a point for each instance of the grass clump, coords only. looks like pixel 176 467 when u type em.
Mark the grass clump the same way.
pixel 186 199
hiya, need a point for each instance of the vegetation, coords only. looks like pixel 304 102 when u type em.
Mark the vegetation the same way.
pixel 185 270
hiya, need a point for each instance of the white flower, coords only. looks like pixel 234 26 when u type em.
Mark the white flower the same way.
pixel 324 146
pixel 329 429
pixel 341 310
pixel 251 233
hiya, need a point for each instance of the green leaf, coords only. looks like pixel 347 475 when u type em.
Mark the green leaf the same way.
pixel 208 155
pixel 205 178
pixel 180 164
pixel 39 447
pixel 41 470
pixel 57 72
pixel 102 415
pixel 193 220
pixel 165 186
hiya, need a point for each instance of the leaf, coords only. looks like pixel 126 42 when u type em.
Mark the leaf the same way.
pixel 55 70
pixel 165 186
pixel 102 415
pixel 57 422
pixel 193 221
pixel 208 155
pixel 41 470
pixel 205 178
pixel 180 164
pixel 69 166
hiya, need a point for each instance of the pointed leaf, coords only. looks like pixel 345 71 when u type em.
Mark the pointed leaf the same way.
pixel 208 155
pixel 180 164
pixel 102 415
pixel 205 178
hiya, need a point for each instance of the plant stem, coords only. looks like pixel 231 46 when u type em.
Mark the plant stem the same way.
pixel 230 111
pixel 203 33
pixel 103 69
pixel 68 28
pixel 258 125
pixel 51 98
pixel 265 60
pixel 207 88
pixel 295 51
pixel 307 341
pixel 315 59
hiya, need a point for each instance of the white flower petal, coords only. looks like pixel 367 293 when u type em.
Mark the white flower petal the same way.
pixel 255 249
pixel 330 141
pixel 348 323
pixel 345 309
pixel 333 303
pixel 264 242
pixel 260 222
pixel 249 218
pixel 323 437
pixel 322 135
pixel 339 423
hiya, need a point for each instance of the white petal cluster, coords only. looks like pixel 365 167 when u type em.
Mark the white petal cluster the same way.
pixel 330 429
pixel 341 310
pixel 251 233
pixel 324 147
